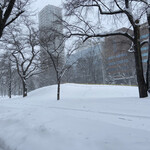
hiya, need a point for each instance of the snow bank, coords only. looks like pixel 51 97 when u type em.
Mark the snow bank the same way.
pixel 88 117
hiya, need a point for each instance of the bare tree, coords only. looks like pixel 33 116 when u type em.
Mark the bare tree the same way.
pixel 10 10
pixel 115 7
pixel 52 42
pixel 9 74
pixel 24 47
pixel 4 74
pixel 147 9
pixel 9 79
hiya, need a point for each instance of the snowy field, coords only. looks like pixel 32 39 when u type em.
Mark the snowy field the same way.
pixel 88 117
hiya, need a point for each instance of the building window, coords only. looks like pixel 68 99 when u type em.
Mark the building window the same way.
pixel 144 48
pixel 144 36
pixel 145 54
pixel 144 60
pixel 117 56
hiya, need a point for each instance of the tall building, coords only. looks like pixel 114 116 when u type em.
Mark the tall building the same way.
pixel 48 17
pixel 144 48
pixel 120 63
pixel 51 37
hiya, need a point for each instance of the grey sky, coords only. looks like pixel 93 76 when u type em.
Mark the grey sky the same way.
pixel 39 4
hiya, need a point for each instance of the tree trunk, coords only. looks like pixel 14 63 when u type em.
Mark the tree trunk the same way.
pixel 10 80
pixel 58 90
pixel 148 59
pixel 1 32
pixel 138 62
pixel 9 91
pixel 24 87
pixel 1 23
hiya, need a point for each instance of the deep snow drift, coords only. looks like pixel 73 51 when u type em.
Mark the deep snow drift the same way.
pixel 88 117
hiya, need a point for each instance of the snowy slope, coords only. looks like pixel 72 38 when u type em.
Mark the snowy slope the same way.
pixel 88 117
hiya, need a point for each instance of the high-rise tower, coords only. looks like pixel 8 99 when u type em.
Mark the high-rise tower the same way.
pixel 51 34
pixel 48 17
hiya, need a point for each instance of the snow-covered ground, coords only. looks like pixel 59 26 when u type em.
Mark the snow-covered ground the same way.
pixel 88 117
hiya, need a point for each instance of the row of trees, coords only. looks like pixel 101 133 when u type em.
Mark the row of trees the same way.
pixel 9 12
pixel 20 44
pixel 24 45
pixel 132 11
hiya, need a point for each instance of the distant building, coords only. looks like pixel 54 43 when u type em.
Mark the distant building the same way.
pixel 48 15
pixel 119 62
pixel 51 34
pixel 88 65
pixel 144 48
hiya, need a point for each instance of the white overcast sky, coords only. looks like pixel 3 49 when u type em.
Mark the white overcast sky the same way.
pixel 39 4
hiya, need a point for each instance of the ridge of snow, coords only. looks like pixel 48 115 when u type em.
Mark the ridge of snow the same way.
pixel 88 117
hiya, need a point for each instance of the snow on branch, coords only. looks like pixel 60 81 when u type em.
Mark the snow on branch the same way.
pixel 87 36
pixel 131 49
pixel 144 42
